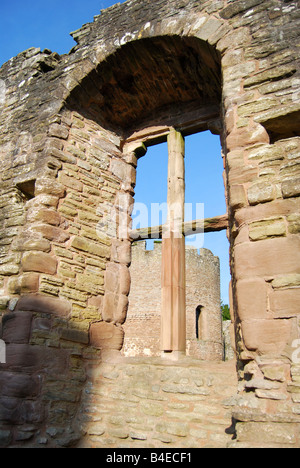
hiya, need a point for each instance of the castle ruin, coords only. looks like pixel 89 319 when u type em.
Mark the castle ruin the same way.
pixel 72 129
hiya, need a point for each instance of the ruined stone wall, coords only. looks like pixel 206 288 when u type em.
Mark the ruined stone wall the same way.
pixel 68 175
pixel 142 326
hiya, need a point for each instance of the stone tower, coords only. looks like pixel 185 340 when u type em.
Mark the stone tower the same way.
pixel 72 128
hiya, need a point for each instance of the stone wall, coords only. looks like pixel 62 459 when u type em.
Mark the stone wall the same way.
pixel 69 128
pixel 142 326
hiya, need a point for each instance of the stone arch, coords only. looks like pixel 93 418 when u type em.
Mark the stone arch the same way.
pixel 185 24
pixel 150 82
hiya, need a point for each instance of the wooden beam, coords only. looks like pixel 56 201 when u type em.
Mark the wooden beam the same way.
pixel 189 228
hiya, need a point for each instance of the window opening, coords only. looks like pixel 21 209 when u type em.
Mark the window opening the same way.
pixel 204 184
pixel 198 313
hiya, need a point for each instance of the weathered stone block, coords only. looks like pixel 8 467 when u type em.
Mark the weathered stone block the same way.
pixel 266 153
pixel 52 233
pixel 24 358
pixel 276 373
pixel 252 298
pixel 75 335
pixel 266 336
pixel 5 437
pixel 19 385
pixel 109 306
pixel 207 29
pixel 268 228
pixel 266 433
pixel 27 283
pixel 237 196
pixel 235 39
pixel 234 9
pixel 105 335
pixel 121 252
pixel 291 188
pixel 96 429
pixel 4 300
pixel 261 258
pixel 125 280
pixel 261 192
pixel 112 277
pixel 17 327
pixel 40 262
pixel 286 281
pixel 56 130
pixel 121 310
pixel 10 410
pixel 85 245
pixel 35 244
pixel 44 304
pixel 71 182
pixel 285 303
pixel 90 283
pixel 9 269
pixel 294 223
pixel 241 137
pixel 49 186
pixel 46 216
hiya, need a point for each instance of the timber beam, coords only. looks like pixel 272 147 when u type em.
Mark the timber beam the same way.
pixel 189 228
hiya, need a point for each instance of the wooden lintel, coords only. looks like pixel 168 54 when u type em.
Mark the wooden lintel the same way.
pixel 189 228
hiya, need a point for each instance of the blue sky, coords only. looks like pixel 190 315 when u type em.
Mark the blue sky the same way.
pixel 204 184
pixel 44 24
pixel 47 24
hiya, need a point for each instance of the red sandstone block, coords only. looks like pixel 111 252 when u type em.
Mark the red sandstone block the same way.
pixel 17 327
pixel 252 298
pixel 10 411
pixel 243 137
pixel 49 186
pixel 109 305
pixel 120 312
pixel 112 277
pixel 52 233
pixel 125 280
pixel 56 361
pixel 44 304
pixel 273 209
pixel 285 303
pixel 105 335
pixel 40 262
pixel 266 336
pixel 46 216
pixel 268 257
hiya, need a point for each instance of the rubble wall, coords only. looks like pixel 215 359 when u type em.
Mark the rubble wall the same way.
pixel 67 175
